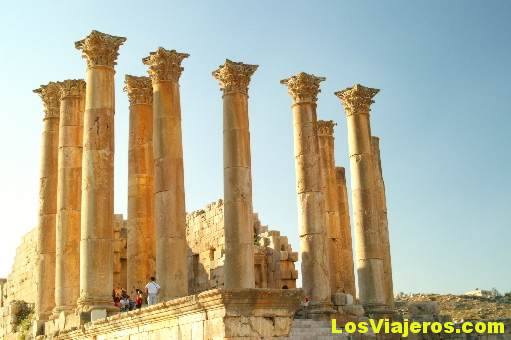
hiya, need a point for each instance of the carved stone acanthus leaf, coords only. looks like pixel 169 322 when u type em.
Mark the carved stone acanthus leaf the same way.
pixel 72 88
pixel 357 99
pixel 50 94
pixel 139 89
pixel 326 128
pixel 100 49
pixel 303 87
pixel 234 76
pixel 165 65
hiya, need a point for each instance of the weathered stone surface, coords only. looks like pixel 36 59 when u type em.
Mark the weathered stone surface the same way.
pixel 169 200
pixel 381 211
pixel 234 79
pixel 346 254
pixel 96 251
pixel 67 263
pixel 357 101
pixel 304 89
pixel 45 281
pixel 141 240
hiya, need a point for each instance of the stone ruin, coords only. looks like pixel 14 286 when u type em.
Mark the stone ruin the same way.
pixel 223 275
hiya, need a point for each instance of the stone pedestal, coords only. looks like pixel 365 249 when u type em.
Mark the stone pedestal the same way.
pixel 141 243
pixel 169 200
pixel 332 219
pixel 346 255
pixel 238 224
pixel 96 253
pixel 304 89
pixel 357 101
pixel 45 279
pixel 381 211
pixel 69 194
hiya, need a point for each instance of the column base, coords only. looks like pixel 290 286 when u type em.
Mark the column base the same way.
pixel 86 305
pixel 320 310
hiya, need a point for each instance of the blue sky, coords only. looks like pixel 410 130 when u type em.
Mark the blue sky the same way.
pixel 443 113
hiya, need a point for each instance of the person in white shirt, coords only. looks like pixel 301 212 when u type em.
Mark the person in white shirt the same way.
pixel 152 289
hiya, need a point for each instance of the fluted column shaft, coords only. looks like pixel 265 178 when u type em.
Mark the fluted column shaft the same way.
pixel 346 255
pixel 169 199
pixel 238 211
pixel 45 280
pixel 141 243
pixel 67 274
pixel 357 101
pixel 304 88
pixel 381 211
pixel 329 189
pixel 96 244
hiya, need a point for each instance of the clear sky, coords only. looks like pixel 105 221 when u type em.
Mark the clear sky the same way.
pixel 443 113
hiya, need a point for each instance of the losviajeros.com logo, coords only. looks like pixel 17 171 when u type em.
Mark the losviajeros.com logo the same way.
pixel 405 327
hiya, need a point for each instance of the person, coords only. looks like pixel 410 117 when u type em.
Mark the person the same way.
pixel 125 302
pixel 152 289
pixel 139 299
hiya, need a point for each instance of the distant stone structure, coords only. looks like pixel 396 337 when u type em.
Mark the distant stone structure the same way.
pixel 222 273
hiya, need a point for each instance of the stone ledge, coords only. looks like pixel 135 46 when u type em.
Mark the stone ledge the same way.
pixel 213 314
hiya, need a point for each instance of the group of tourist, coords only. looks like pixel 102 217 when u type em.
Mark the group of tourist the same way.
pixel 126 302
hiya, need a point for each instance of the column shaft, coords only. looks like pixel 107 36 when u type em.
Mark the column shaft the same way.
pixel 311 205
pixel 169 199
pixel 381 211
pixel 357 101
pixel 238 212
pixel 47 201
pixel 346 255
pixel 141 244
pixel 67 276
pixel 96 248
pixel 329 189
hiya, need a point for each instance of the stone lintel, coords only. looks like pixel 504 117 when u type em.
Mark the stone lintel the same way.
pixel 100 49
pixel 50 95
pixel 165 65
pixel 326 128
pixel 234 76
pixel 271 310
pixel 139 89
pixel 303 87
pixel 357 99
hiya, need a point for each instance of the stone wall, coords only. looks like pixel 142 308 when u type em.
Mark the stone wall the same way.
pixel 20 283
pixel 273 255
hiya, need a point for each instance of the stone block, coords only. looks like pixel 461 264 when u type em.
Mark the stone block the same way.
pixel 96 314
pixel 355 310
pixel 293 256
pixel 284 255
pixel 340 299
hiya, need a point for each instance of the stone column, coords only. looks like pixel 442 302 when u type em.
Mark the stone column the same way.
pixel 329 189
pixel 357 101
pixel 234 79
pixel 346 255
pixel 96 251
pixel 304 89
pixel 45 280
pixel 169 200
pixel 141 247
pixel 381 211
pixel 69 195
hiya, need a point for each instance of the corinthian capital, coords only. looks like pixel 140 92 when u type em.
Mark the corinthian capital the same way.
pixel 303 87
pixel 357 99
pixel 100 49
pixel 139 89
pixel 326 128
pixel 72 88
pixel 164 64
pixel 234 76
pixel 50 94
